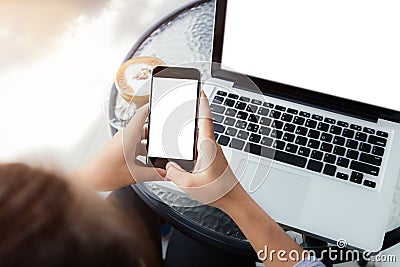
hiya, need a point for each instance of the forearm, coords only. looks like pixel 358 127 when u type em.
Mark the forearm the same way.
pixel 99 173
pixel 261 230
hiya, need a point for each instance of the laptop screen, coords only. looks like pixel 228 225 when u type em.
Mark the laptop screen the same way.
pixel 345 48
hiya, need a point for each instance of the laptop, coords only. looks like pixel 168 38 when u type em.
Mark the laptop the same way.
pixel 317 146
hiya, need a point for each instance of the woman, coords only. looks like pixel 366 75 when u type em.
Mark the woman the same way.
pixel 48 221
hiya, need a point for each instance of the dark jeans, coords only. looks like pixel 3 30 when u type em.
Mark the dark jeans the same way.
pixel 182 250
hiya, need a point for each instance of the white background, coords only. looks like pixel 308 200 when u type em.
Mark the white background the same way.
pixel 344 48
pixel 167 96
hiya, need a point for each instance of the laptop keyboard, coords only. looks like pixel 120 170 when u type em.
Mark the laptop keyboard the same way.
pixel 338 149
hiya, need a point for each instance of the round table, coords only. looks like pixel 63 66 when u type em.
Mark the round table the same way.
pixel 186 36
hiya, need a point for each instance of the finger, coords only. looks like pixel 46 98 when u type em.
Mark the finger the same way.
pixel 146 174
pixel 141 149
pixel 177 175
pixel 135 126
pixel 145 132
pixel 206 127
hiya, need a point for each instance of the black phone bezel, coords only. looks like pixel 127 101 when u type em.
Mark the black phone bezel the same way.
pixel 175 73
pixel 283 91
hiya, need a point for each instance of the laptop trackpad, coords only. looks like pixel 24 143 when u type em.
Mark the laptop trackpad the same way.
pixel 281 193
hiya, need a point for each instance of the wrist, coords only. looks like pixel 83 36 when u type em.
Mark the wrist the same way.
pixel 233 200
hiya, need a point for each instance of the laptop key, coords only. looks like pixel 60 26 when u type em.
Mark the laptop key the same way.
pixel 268 105
pixel 217 118
pixel 230 112
pixel 288 137
pixel 229 102
pixel 275 114
pixel 343 124
pixel 265 130
pixel 233 96
pixel 280 108
pixel 352 144
pixel 219 128
pixel 266 141
pixel 368 130
pixel 343 162
pixel 305 114
pixel 317 117
pixel 292 111
pixel 348 133
pixel 339 140
pixel 375 140
pixel 317 154
pixel 311 124
pixel 326 147
pixel 276 134
pixel 342 176
pixel 365 147
pixel 223 140
pixel 265 121
pixel 365 168
pixel 218 100
pixel 361 136
pixel 340 151
pixel 382 134
pixel 335 130
pixel 301 131
pixel 263 111
pixel 329 170
pixel 301 140
pixel 251 108
pixel 370 159
pixel 322 126
pixel 329 120
pixel 242 115
pixel 299 120
pixel 291 159
pixel 291 148
pixel 356 177
pixel 240 105
pixel 369 183
pixel 241 124
pixel 256 101
pixel 244 99
pixel 313 134
pixel 229 121
pixel 352 154
pixel 253 148
pixel 287 117
pixel 222 93
pixel 289 127
pixel 217 109
pixel 253 127
pixel 279 145
pixel 379 151
pixel 329 158
pixel 253 118
pixel 237 144
pixel 243 135
pixel 303 151
pixel 326 137
pixel 231 131
pixel 313 144
pixel 255 138
pixel 277 124
pixel 356 127
pixel 314 165
pixel 216 136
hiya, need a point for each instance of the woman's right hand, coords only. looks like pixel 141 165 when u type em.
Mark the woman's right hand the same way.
pixel 212 180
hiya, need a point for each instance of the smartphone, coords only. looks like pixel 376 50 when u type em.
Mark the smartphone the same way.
pixel 174 105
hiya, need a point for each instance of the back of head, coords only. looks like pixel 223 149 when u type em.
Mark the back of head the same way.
pixel 47 221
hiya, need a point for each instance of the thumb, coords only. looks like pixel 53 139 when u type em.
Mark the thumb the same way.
pixel 176 174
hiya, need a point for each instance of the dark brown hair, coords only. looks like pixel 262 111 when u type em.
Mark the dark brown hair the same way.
pixel 46 221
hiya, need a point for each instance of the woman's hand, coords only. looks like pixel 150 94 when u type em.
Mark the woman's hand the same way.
pixel 212 181
pixel 116 164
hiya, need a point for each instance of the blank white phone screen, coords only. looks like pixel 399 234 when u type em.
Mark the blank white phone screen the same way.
pixel 172 118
